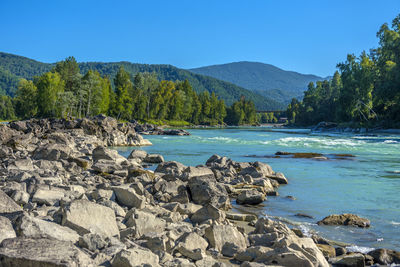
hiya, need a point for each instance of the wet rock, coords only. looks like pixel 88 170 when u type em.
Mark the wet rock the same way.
pixel 385 256
pixel 84 217
pixel 6 229
pixel 345 219
pixel 135 256
pixel 41 252
pixel 351 260
pixel 279 177
pixel 303 215
pixel 251 197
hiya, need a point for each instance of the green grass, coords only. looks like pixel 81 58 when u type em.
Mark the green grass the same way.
pixel 172 123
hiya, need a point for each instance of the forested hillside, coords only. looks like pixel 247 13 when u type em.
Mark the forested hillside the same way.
pixel 264 79
pixel 364 92
pixel 13 67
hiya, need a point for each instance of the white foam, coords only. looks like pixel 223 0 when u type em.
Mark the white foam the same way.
pixel 360 249
pixel 395 223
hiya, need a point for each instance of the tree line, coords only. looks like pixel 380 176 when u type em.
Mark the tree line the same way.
pixel 65 92
pixel 364 91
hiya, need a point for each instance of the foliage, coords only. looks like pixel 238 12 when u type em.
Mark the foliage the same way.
pixel 241 112
pixel 6 108
pixel 17 67
pixel 365 90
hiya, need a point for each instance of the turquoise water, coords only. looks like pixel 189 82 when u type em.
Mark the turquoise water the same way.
pixel 367 185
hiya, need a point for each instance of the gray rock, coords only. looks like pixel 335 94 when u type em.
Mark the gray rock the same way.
pixel 191 172
pixel 153 158
pixel 20 197
pixel 135 256
pixel 41 252
pixel 138 154
pixel 143 222
pixel 92 241
pixel 385 256
pixel 7 205
pixel 102 153
pixel 351 260
pixel 208 212
pixel 220 235
pixel 205 190
pixel 251 197
pixel 6 229
pixel 48 197
pixel 127 196
pixel 32 227
pixel 192 246
pixel 84 217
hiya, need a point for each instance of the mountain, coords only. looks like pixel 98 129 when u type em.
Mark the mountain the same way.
pixel 13 67
pixel 265 79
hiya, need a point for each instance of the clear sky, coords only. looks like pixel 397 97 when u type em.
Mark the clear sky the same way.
pixel 304 36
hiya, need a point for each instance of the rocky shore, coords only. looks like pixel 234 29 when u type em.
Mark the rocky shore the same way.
pixel 68 200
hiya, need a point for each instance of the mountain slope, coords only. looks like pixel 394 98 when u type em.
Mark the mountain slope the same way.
pixel 22 67
pixel 262 78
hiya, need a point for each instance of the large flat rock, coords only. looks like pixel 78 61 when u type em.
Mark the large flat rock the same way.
pixel 41 252
pixel 85 217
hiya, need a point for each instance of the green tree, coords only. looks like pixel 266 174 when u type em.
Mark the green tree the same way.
pixel 25 99
pixel 123 102
pixel 6 108
pixel 49 85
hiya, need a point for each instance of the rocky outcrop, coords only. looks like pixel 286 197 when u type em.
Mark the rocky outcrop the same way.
pixel 41 252
pixel 345 219
pixel 68 200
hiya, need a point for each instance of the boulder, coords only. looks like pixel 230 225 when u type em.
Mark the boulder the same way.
pixel 251 197
pixel 142 223
pixel 6 229
pixel 20 197
pixel 22 165
pixel 138 154
pixel 206 190
pixel 92 241
pixel 192 245
pixel 7 205
pixel 171 170
pixel 153 158
pixel 221 236
pixel 327 250
pixel 278 177
pixel 351 260
pixel 107 154
pixel 252 253
pixel 345 219
pixel 127 196
pixel 41 252
pixel 48 197
pixel 52 152
pixel 191 172
pixel 84 217
pixel 385 256
pixel 208 212
pixel 135 256
pixel 32 227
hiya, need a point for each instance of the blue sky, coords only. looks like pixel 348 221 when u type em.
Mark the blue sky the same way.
pixel 304 36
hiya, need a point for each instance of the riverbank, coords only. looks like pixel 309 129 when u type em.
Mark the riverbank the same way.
pixel 59 177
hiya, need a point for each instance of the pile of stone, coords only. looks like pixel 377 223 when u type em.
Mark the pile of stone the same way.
pixel 68 200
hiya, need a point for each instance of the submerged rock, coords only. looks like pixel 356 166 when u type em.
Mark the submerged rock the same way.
pixel 345 219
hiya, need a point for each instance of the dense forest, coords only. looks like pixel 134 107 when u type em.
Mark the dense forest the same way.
pixel 65 92
pixel 13 67
pixel 364 92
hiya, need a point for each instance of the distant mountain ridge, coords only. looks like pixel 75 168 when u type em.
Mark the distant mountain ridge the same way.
pixel 262 78
pixel 14 67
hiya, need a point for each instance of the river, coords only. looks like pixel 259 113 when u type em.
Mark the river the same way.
pixel 367 184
